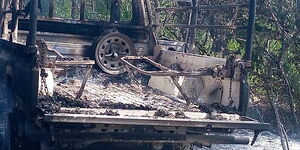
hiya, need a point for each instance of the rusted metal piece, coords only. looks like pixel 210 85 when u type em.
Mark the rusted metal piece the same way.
pixel 51 8
pixel 73 10
pixel 70 63
pixel 138 12
pixel 86 77
pixel 88 63
pixel 250 27
pixel 14 20
pixel 153 42
pixel 255 136
pixel 164 70
pixel 82 10
pixel 244 92
pixel 193 18
pixel 42 45
pixel 186 98
pixel 163 138
pixel 48 23
pixel 45 63
pixel 121 120
pixel 115 14
pixel 230 27
pixel 31 38
pixel 157 17
pixel 149 12
pixel 42 61
pixel 192 31
pixel 131 75
pixel 2 16
pixel 202 7
pixel 56 52
pixel 43 52
pixel 5 26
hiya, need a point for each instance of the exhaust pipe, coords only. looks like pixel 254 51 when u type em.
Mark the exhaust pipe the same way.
pixel 207 140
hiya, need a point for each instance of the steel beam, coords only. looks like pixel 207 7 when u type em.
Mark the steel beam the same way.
pixel 82 10
pixel 31 38
pixel 164 70
pixel 73 11
pixel 232 27
pixel 115 15
pixel 86 77
pixel 51 8
pixel 133 137
pixel 251 25
pixel 192 31
pixel 201 7
pixel 244 88
pixel 165 122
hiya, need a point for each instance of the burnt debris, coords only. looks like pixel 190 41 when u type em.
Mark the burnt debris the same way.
pixel 104 91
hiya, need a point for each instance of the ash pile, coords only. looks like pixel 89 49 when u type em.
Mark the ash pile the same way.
pixel 109 92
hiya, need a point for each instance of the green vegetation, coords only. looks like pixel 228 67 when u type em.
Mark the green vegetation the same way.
pixel 63 8
pixel 276 56
pixel 276 50
pixel 94 10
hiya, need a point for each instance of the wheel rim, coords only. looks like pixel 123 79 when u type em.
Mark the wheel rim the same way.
pixel 110 48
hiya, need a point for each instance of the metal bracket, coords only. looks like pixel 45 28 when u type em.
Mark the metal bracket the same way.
pixel 164 71
pixel 256 133
pixel 64 62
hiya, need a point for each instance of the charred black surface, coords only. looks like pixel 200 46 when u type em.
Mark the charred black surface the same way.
pixel 109 92
pixel 162 113
pixel 180 114
pixel 218 108
pixel 58 101
pixel 214 110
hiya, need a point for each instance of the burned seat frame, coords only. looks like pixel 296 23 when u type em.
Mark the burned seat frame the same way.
pixel 63 62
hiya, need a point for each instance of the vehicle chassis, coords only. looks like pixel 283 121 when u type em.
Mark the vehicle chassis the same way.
pixel 29 128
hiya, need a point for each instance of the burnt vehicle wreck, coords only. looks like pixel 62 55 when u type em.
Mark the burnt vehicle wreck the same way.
pixel 103 75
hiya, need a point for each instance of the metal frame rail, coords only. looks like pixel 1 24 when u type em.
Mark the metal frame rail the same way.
pixel 246 123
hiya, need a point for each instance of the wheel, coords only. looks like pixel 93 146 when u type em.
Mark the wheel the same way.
pixel 109 50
